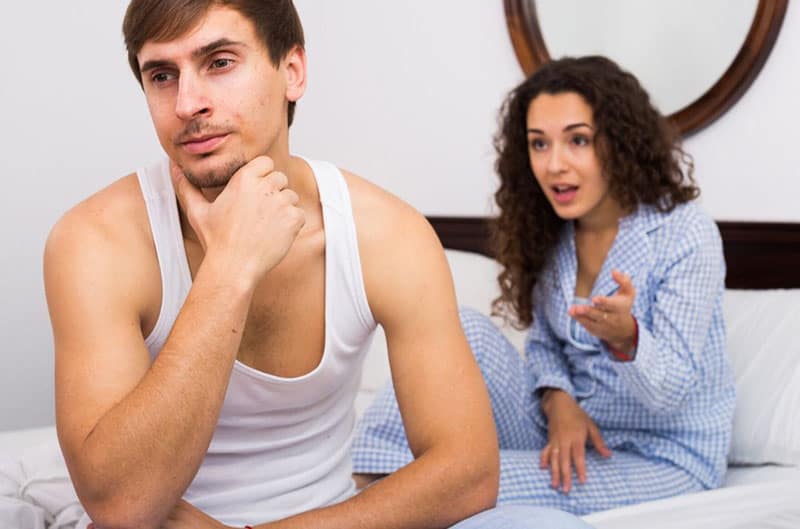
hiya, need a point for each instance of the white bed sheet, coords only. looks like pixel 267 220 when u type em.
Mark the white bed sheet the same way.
pixel 756 497
pixel 760 497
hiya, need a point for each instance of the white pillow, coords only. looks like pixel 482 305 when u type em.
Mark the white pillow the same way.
pixel 764 349
pixel 475 278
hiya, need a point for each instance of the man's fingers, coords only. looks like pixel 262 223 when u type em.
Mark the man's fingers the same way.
pixel 275 182
pixel 257 168
pixel 291 196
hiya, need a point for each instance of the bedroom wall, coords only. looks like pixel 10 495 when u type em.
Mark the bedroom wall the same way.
pixel 393 96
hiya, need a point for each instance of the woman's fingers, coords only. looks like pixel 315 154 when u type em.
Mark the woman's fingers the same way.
pixel 544 457
pixel 555 467
pixel 566 469
pixel 579 458
pixel 624 282
pixel 597 441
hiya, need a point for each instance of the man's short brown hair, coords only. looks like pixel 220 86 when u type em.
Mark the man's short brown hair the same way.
pixel 276 22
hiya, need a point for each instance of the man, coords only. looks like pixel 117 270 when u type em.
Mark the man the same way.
pixel 208 352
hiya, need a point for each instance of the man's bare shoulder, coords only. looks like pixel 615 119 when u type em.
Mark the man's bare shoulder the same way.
pixel 104 241
pixel 401 256
pixel 116 213
pixel 380 214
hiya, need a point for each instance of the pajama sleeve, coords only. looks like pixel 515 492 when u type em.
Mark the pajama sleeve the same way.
pixel 668 365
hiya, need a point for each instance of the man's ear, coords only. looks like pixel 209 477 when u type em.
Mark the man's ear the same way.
pixel 294 65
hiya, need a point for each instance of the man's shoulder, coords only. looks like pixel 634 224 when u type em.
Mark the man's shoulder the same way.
pixel 115 215
pixel 381 213
pixel 401 256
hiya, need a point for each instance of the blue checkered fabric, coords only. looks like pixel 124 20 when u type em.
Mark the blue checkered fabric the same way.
pixel 667 415
pixel 522 517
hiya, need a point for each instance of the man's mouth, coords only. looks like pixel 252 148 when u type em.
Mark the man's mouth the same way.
pixel 203 144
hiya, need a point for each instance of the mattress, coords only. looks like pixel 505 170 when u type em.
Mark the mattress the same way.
pixel 759 497
pixel 754 497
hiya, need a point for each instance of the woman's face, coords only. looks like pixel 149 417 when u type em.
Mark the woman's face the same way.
pixel 561 146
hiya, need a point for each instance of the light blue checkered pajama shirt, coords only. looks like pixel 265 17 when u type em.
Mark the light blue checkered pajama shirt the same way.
pixel 666 416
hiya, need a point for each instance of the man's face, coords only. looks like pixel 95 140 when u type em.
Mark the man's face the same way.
pixel 215 97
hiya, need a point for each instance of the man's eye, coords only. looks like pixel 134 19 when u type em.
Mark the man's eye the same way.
pixel 221 63
pixel 161 77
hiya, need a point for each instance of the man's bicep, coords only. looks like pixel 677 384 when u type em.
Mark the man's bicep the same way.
pixel 100 352
pixel 438 385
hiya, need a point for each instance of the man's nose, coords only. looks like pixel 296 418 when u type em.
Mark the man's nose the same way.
pixel 192 99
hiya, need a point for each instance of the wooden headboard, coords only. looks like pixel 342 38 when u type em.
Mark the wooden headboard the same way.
pixel 758 254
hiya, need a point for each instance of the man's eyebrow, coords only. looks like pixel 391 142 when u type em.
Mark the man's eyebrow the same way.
pixel 152 65
pixel 214 46
pixel 198 53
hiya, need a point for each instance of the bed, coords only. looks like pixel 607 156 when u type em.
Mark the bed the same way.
pixel 762 311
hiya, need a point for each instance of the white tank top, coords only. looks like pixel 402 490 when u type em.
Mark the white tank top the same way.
pixel 281 445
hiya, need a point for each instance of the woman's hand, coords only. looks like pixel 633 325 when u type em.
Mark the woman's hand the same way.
pixel 568 428
pixel 609 317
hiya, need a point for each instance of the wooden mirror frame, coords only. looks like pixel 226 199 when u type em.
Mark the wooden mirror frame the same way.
pixel 531 51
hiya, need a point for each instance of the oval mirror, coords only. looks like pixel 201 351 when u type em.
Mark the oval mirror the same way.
pixel 694 67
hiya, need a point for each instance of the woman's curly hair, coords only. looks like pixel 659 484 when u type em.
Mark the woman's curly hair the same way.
pixel 639 151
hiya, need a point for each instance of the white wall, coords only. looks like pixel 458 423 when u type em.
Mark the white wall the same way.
pixel 404 93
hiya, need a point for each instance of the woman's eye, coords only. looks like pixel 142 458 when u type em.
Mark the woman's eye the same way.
pixel 580 140
pixel 538 145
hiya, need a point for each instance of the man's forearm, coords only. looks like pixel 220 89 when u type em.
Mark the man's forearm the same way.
pixel 434 491
pixel 143 453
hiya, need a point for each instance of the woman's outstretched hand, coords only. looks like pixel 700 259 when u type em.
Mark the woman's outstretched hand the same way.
pixel 609 317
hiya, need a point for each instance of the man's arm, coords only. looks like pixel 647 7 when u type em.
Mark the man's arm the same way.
pixel 440 390
pixel 133 434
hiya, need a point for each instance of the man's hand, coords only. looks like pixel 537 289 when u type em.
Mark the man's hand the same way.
pixel 253 222
pixel 609 317
pixel 568 428
pixel 187 516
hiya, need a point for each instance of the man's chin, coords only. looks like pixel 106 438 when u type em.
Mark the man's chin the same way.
pixel 212 176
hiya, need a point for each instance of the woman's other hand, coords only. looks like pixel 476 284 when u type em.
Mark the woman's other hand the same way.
pixel 568 429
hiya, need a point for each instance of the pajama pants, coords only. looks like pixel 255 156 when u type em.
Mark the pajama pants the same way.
pixel 522 517
pixel 380 445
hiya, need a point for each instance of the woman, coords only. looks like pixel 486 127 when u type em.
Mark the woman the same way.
pixel 620 276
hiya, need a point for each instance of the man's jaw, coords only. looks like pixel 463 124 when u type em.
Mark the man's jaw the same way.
pixel 217 175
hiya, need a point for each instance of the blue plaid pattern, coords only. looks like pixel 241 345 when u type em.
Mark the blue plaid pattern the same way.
pixel 667 415
pixel 522 517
